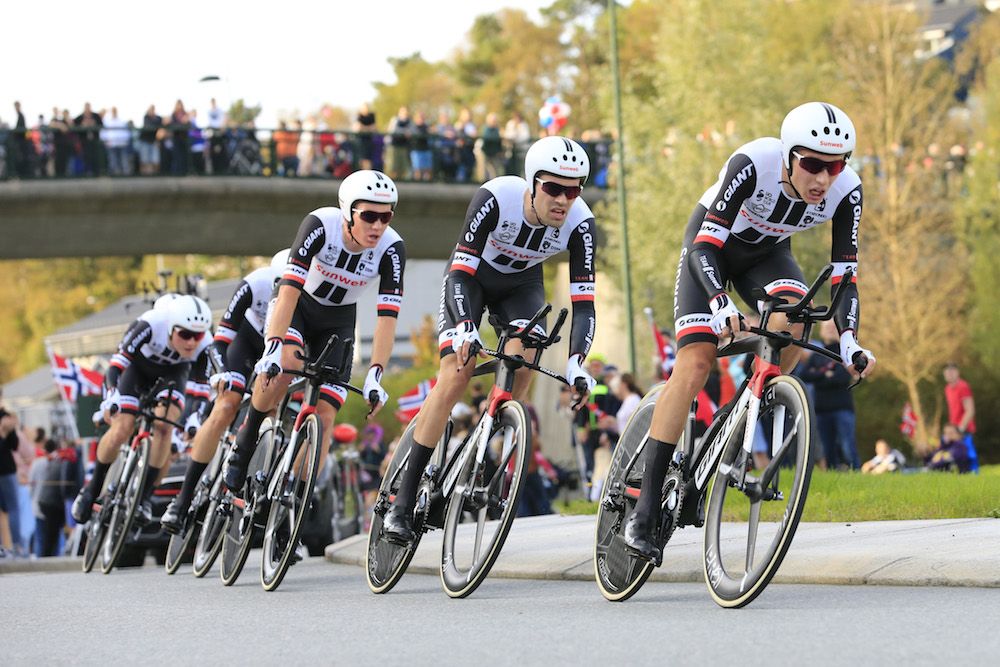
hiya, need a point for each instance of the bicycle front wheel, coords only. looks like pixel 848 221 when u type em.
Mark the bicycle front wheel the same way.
pixel 95 529
pixel 213 526
pixel 290 504
pixel 483 490
pixel 619 574
pixel 126 499
pixel 748 532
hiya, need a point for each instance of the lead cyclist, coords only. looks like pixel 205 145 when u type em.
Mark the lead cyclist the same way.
pixel 739 235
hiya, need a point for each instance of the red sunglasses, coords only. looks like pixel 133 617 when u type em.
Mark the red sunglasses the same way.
pixel 814 165
pixel 371 217
pixel 189 335
pixel 554 189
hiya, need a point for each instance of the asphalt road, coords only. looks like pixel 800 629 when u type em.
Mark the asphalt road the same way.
pixel 325 613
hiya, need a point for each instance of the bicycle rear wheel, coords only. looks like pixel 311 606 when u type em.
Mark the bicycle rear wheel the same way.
pixel 213 526
pixel 741 558
pixel 290 504
pixel 95 529
pixel 128 495
pixel 387 561
pixel 619 574
pixel 237 538
pixel 481 489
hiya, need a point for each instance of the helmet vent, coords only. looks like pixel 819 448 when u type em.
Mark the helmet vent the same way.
pixel 815 133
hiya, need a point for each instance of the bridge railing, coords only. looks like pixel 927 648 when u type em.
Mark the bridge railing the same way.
pixel 450 156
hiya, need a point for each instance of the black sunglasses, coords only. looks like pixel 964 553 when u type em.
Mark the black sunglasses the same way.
pixel 371 217
pixel 554 189
pixel 814 165
pixel 189 335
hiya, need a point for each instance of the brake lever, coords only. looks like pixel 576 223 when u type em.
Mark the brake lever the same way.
pixel 372 402
pixel 860 365
pixel 580 387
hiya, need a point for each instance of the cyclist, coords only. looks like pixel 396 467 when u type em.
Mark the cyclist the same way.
pixel 168 342
pixel 336 253
pixel 739 233
pixel 239 341
pixel 512 225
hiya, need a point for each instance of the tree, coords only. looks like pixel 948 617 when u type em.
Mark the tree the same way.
pixel 419 84
pixel 241 114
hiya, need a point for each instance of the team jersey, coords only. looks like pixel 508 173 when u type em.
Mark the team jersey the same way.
pixel 248 304
pixel 748 211
pixel 496 232
pixel 148 338
pixel 321 266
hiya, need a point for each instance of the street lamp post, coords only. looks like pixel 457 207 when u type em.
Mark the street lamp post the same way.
pixel 622 207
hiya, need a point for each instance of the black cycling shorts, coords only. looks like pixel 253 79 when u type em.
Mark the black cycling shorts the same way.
pixel 241 356
pixel 140 377
pixel 742 266
pixel 509 296
pixel 312 326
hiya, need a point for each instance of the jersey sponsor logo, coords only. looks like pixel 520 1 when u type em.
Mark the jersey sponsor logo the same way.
pixel 340 279
pixel 715 218
pixel 459 299
pixel 397 268
pixel 855 197
pixel 507 231
pixel 588 250
pixel 856 223
pixel 734 185
pixel 709 272
pixel 309 240
pixel 484 210
pixel 330 256
pixel 511 252
pixel 831 144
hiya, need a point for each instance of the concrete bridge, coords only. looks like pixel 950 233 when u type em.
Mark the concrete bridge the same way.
pixel 204 215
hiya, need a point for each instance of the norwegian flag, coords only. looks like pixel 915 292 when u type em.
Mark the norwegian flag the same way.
pixel 410 402
pixel 74 380
pixel 908 425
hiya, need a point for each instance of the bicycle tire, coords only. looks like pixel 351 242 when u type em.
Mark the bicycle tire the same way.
pixel 618 573
pixel 179 546
pixel 733 585
pixel 467 496
pixel 209 543
pixel 96 527
pixel 237 538
pixel 385 561
pixel 128 495
pixel 307 443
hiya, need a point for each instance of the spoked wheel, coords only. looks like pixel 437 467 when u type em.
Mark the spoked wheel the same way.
pixel 387 561
pixel 128 495
pixel 237 536
pixel 619 574
pixel 289 504
pixel 213 527
pixel 741 558
pixel 95 529
pixel 482 491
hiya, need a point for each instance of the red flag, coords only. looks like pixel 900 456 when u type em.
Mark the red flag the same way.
pixel 74 380
pixel 908 426
pixel 410 402
pixel 664 350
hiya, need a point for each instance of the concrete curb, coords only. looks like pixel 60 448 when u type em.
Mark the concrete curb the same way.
pixel 26 566
pixel 959 552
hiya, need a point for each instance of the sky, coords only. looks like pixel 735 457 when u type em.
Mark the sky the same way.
pixel 289 55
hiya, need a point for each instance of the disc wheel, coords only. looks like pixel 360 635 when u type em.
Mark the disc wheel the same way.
pixel 386 562
pixel 620 574
pixel 483 491
pixel 181 545
pixel 237 538
pixel 128 495
pixel 290 503
pixel 741 558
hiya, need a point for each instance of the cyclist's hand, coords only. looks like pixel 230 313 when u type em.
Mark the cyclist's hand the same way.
pixel 726 317
pixel 580 380
pixel 467 342
pixel 372 386
pixel 269 365
pixel 851 353
pixel 110 406
pixel 220 382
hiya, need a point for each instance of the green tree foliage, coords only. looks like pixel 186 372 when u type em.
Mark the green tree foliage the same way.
pixel 241 114
pixel 419 84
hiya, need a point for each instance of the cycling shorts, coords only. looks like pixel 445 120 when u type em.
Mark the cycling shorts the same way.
pixel 312 326
pixel 241 356
pixel 742 266
pixel 509 296
pixel 140 377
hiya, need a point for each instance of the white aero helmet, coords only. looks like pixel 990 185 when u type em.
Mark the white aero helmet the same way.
pixel 558 156
pixel 366 185
pixel 164 300
pixel 279 261
pixel 190 312
pixel 818 126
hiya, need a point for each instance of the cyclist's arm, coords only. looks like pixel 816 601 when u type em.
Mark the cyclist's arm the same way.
pixel 234 316
pixel 736 186
pixel 390 297
pixel 844 255
pixel 582 259
pixel 138 334
pixel 309 240
pixel 197 391
pixel 480 220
